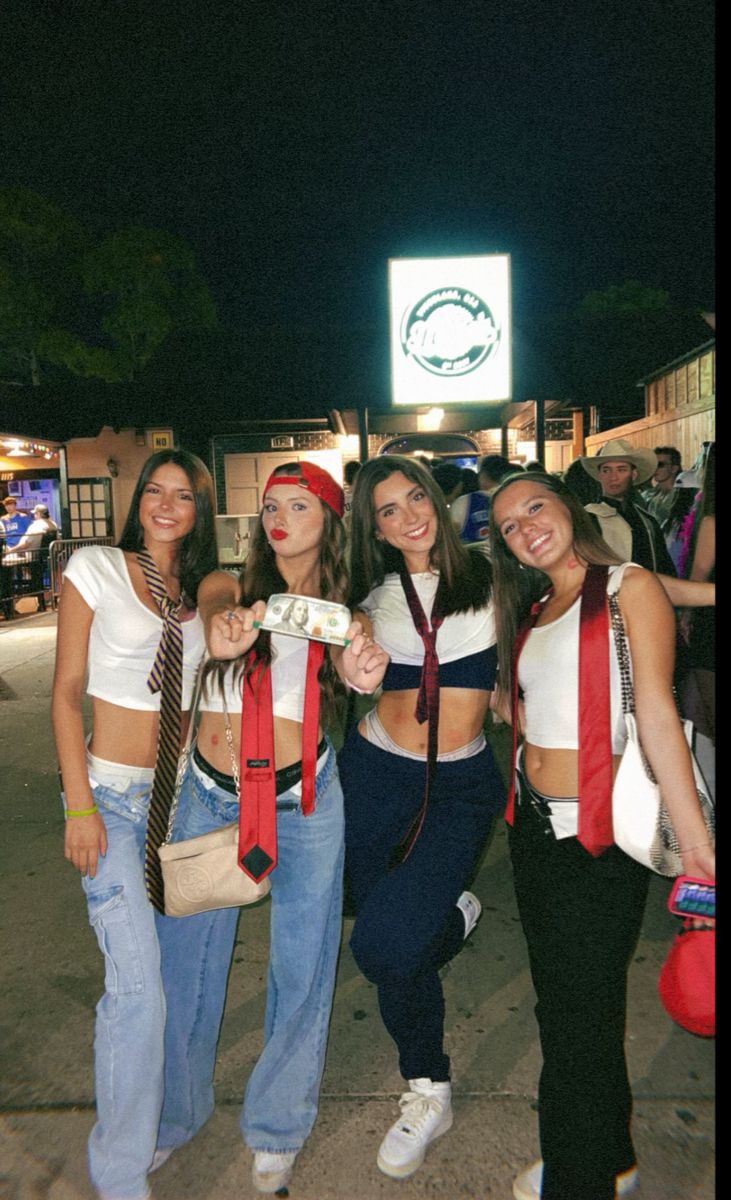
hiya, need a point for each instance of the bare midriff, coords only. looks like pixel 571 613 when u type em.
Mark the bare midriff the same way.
pixel 126 735
pixel 555 772
pixel 213 744
pixel 461 718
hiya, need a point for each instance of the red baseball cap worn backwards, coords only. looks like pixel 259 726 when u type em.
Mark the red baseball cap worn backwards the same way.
pixel 315 480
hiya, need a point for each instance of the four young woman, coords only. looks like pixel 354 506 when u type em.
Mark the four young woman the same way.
pixel 421 791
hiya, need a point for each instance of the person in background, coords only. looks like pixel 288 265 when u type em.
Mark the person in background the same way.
pixel 14 523
pixel 678 526
pixel 350 470
pixel 535 465
pixel 493 468
pixel 581 899
pixel 29 549
pixel 420 784
pixel 448 477
pixel 658 499
pixel 621 520
pixel 586 489
pixel 470 481
pixel 112 629
pixel 470 514
pixel 698 694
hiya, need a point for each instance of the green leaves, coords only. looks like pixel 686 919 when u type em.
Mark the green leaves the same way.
pixel 96 310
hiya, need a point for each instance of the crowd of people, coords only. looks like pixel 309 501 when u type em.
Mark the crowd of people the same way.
pixel 24 540
pixel 462 614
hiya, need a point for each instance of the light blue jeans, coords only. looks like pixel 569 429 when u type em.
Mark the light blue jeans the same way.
pixel 130 1017
pixel 281 1099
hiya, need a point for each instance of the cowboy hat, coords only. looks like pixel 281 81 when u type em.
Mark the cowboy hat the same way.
pixel 641 458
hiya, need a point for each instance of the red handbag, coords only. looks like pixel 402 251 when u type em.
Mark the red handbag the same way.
pixel 687 982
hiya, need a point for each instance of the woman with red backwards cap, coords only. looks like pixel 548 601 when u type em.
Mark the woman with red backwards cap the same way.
pixel 278 679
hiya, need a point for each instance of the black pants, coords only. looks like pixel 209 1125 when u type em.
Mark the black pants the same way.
pixel 581 917
pixel 407 925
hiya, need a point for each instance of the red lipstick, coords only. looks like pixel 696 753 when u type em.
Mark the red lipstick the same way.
pixel 277 535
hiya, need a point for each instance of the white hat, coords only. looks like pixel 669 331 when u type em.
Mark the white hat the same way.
pixel 641 458
pixel 688 479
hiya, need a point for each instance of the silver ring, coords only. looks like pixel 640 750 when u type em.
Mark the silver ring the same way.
pixel 230 615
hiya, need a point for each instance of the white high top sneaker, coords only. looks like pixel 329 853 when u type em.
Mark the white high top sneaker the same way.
pixel 426 1113
pixel 270 1172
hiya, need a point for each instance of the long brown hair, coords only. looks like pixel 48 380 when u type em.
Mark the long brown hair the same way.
pixel 465 576
pixel 261 579
pixel 517 586
pixel 198 548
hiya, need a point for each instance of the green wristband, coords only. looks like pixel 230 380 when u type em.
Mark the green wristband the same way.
pixel 81 812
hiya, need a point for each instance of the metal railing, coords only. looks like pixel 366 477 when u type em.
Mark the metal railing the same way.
pixel 59 554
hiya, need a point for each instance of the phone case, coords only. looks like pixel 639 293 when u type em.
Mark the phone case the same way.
pixel 692 897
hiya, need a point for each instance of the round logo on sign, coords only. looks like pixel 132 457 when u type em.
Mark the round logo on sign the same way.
pixel 450 331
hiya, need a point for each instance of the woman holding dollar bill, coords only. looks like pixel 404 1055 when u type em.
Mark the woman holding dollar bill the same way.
pixel 421 787
pixel 277 679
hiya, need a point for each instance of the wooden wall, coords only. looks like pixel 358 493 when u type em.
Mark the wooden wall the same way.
pixel 680 410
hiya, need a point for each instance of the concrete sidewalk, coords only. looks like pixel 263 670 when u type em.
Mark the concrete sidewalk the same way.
pixel 52 977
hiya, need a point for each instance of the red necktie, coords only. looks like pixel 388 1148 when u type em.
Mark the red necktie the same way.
pixel 427 700
pixel 595 733
pixel 595 756
pixel 258 799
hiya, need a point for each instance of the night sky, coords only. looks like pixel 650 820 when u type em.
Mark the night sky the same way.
pixel 299 145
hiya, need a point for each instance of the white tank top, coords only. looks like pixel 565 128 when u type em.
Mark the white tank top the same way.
pixel 289 668
pixel 548 673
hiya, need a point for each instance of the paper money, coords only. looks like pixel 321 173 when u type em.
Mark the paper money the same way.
pixel 304 616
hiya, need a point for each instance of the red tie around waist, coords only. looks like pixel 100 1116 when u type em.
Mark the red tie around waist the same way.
pixel 257 802
pixel 595 744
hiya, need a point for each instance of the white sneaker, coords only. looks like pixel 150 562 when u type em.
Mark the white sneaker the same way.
pixel 271 1172
pixel 159 1158
pixel 426 1113
pixel 528 1184
pixel 471 910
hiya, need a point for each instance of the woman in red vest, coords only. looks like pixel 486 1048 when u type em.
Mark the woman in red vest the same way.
pixel 581 899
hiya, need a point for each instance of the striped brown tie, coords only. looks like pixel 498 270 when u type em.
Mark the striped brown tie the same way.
pixel 166 677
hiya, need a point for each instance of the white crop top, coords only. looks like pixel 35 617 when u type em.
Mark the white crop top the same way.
pixel 124 633
pixel 289 669
pixel 460 635
pixel 548 673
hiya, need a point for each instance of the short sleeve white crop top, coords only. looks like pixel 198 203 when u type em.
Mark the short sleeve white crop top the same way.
pixel 289 669
pixel 548 673
pixel 460 635
pixel 124 633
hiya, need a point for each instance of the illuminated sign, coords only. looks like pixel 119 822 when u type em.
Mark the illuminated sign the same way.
pixel 161 439
pixel 450 330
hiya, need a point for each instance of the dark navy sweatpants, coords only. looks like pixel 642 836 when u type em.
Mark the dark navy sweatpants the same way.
pixel 407 925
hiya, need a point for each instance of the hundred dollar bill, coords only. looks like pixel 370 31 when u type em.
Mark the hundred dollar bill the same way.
pixel 305 616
